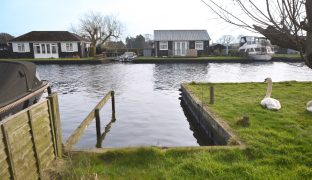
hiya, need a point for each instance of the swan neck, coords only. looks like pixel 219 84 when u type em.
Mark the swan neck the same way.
pixel 269 90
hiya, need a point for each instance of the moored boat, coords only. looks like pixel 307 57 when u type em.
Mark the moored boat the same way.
pixel 126 57
pixel 256 48
pixel 20 86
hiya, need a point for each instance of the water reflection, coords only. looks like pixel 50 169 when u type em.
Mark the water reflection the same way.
pixel 146 95
pixel 202 138
pixel 169 76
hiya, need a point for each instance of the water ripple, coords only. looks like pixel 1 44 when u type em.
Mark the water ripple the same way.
pixel 148 110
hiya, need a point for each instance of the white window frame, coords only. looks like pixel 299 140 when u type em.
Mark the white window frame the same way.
pixel 35 48
pixel 199 45
pixel 163 45
pixel 21 47
pixel 69 47
pixel 54 45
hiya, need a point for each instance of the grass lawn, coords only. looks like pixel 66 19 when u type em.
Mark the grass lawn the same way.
pixel 278 143
pixel 287 55
pixel 192 58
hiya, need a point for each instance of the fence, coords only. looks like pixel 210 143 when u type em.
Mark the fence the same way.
pixel 30 140
pixel 94 114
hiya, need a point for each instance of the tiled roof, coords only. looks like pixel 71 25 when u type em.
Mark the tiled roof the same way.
pixel 181 35
pixel 48 36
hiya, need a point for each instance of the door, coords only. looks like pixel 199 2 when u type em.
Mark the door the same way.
pixel 180 48
pixel 46 50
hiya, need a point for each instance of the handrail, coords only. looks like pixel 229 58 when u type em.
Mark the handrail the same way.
pixel 75 136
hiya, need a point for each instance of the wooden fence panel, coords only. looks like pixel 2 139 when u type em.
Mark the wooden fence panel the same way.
pixel 43 134
pixel 27 141
pixel 20 143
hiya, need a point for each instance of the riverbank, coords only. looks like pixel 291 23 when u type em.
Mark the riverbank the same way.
pixel 212 59
pixel 278 143
pixel 140 60
pixel 90 60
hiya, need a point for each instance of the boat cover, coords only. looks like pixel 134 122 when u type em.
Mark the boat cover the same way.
pixel 17 79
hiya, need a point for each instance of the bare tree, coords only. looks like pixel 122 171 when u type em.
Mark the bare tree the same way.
pixel 286 23
pixel 5 37
pixel 226 40
pixel 98 28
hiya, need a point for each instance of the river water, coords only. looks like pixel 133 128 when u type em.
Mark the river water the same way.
pixel 148 110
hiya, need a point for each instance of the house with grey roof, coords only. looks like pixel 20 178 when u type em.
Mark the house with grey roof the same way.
pixel 181 42
pixel 49 44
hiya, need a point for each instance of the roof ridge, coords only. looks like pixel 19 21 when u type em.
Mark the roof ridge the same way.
pixel 48 36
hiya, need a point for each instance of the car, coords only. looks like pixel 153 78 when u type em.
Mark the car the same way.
pixel 126 57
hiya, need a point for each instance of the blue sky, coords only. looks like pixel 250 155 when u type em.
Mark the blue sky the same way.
pixel 138 16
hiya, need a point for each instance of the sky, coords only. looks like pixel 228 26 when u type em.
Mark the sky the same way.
pixel 18 17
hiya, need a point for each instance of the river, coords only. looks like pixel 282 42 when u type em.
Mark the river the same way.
pixel 148 110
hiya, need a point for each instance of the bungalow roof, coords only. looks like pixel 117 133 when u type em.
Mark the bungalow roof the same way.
pixel 181 35
pixel 48 36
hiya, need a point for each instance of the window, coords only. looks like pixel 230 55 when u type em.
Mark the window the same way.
pixel 199 45
pixel 263 49
pixel 48 49
pixel 54 50
pixel 4 48
pixel 69 47
pixel 163 45
pixel 37 48
pixel 20 47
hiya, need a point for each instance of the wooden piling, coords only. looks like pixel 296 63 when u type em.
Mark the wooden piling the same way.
pixel 113 105
pixel 211 94
pixel 49 90
pixel 245 121
pixel 97 123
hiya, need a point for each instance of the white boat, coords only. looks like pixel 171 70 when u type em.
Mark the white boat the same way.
pixel 126 57
pixel 256 48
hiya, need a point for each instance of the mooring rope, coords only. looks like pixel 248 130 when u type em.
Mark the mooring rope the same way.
pixel 21 100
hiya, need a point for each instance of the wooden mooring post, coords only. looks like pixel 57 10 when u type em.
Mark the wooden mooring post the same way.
pixel 97 123
pixel 113 105
pixel 99 135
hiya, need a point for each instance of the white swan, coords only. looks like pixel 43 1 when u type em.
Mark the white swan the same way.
pixel 268 102
pixel 309 106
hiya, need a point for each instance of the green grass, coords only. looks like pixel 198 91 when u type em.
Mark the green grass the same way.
pixel 47 59
pixel 278 143
pixel 287 55
pixel 191 58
